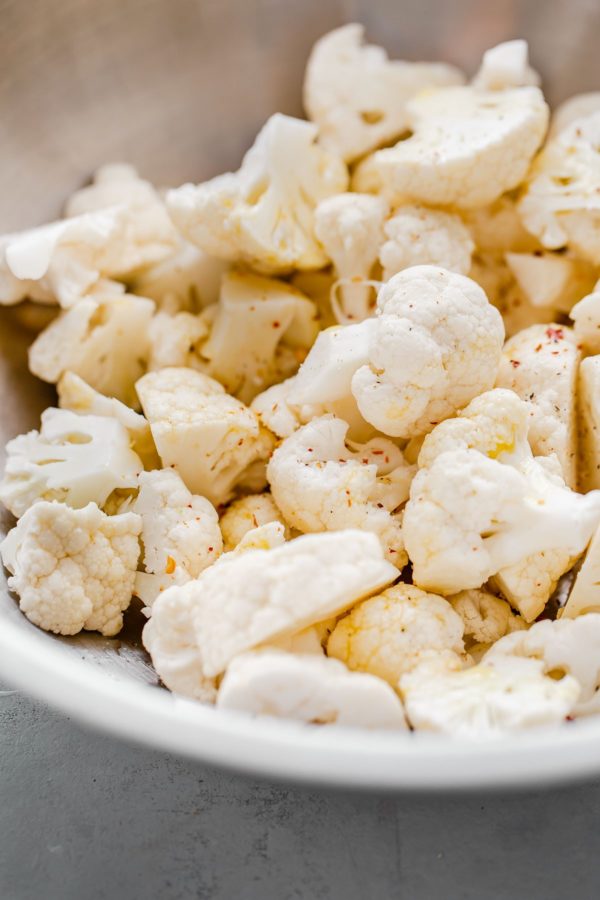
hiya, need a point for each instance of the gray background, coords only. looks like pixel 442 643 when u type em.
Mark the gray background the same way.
pixel 84 817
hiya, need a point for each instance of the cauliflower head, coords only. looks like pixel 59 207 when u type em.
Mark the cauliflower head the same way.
pixel 419 236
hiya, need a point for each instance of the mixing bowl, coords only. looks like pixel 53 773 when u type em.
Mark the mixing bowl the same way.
pixel 179 88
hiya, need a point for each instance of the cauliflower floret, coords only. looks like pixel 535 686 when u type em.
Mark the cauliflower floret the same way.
pixel 419 236
pixel 263 214
pixel 320 484
pixel 210 438
pixel 481 505
pixel 75 394
pixel 585 593
pixel 258 323
pixel 180 533
pixel 350 228
pixel 467 148
pixel 187 281
pixel 249 598
pixel 149 235
pixel 498 228
pixel 565 647
pixel 588 419
pixel 561 203
pixel 393 633
pixel 277 414
pixel 486 700
pixel 486 618
pixel 308 688
pixel 357 96
pixel 317 287
pixel 62 261
pixel 73 569
pixel 74 459
pixel 551 279
pixel 506 66
pixel 579 106
pixel 103 339
pixel 540 364
pixel 586 322
pixel 245 514
pixel 175 340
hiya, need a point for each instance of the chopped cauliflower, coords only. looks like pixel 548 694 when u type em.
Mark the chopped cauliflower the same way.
pixel 565 647
pixel 357 96
pixel 579 106
pixel 506 66
pixel 187 281
pixel 180 533
pixel 75 459
pixel 263 214
pixel 561 201
pixel 481 505
pixel 75 394
pixel 103 339
pixel 486 700
pixel 350 228
pixel 553 280
pixel 317 287
pixel 245 514
pixel 585 593
pixel 249 598
pixel 498 228
pixel 392 633
pixel 308 688
pixel 586 322
pixel 211 439
pixel 73 569
pixel 149 235
pixel 467 148
pixel 486 618
pixel 321 484
pixel 588 420
pixel 176 340
pixel 540 365
pixel 418 236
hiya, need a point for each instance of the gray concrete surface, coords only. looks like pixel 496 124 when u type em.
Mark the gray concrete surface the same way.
pixel 83 817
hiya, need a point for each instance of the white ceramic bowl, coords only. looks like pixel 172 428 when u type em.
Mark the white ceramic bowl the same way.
pixel 180 88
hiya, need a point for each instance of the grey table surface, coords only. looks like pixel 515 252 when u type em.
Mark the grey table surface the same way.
pixel 84 817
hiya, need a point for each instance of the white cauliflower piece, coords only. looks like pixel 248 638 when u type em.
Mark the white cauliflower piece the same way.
pixel 103 339
pixel 263 214
pixel 588 420
pixel 392 633
pixel 498 228
pixel 180 533
pixel 565 647
pixel 586 322
pixel 245 514
pixel 486 700
pixel 467 148
pixel 62 261
pixel 317 287
pixel 187 281
pixel 250 598
pixel 176 340
pixel 208 437
pixel 73 569
pixel 308 688
pixel 419 236
pixel 357 96
pixel 540 365
pixel 75 394
pixel 585 593
pixel 320 484
pixel 486 618
pixel 561 201
pixel 551 279
pixel 277 414
pixel 75 459
pixel 149 235
pixel 258 321
pixel 506 66
pixel 350 228
pixel 481 505
pixel 579 106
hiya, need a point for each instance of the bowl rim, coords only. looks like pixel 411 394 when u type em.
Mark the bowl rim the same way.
pixel 289 751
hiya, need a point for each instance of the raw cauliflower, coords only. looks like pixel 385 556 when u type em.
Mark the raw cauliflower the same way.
pixel 357 96
pixel 72 458
pixel 187 281
pixel 321 484
pixel 506 66
pixel 586 322
pixel 211 439
pixel 180 533
pixel 392 633
pixel 103 339
pixel 540 365
pixel 419 236
pixel 245 514
pixel 585 593
pixel 588 420
pixel 579 106
pixel 467 148
pixel 73 569
pixel 551 280
pixel 486 618
pixel 263 214
pixel 308 688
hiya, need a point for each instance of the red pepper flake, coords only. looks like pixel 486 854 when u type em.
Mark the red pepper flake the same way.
pixel 377 452
pixel 170 566
pixel 538 348
pixel 210 549
pixel 515 363
pixel 379 505
pixel 240 442
pixel 555 334
pixel 276 324
pixel 309 449
pixel 365 460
